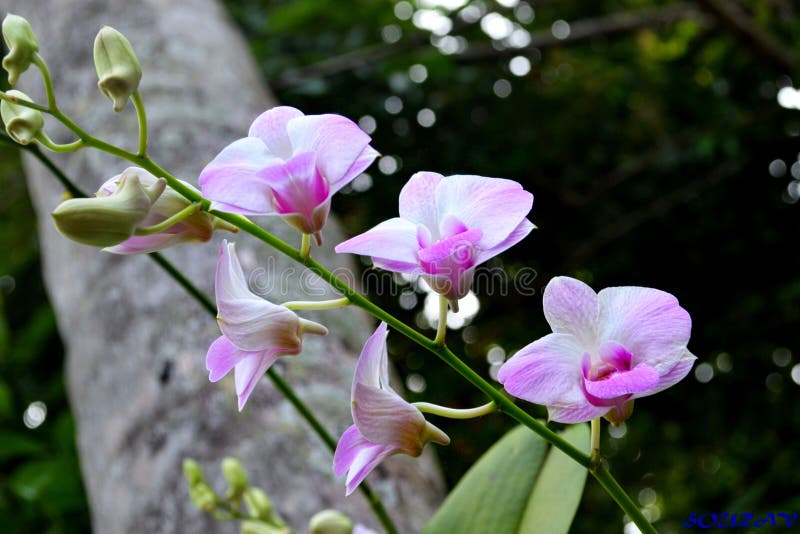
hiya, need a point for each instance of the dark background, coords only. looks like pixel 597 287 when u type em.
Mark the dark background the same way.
pixel 652 139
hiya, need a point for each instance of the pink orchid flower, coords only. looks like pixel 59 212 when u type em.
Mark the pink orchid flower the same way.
pixel 289 165
pixel 198 227
pixel 255 332
pixel 606 349
pixel 447 227
pixel 385 424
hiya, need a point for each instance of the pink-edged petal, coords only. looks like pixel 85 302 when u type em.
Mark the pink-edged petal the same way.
pixel 361 164
pixel 640 378
pixel 357 457
pixel 576 413
pixel 222 356
pixel 571 307
pixel 520 232
pixel 229 282
pixel 672 376
pixel 494 205
pixel 248 321
pixel 149 243
pixel 337 140
pixel 648 322
pixel 382 416
pixel 232 178
pixel 548 371
pixel 372 368
pixel 271 128
pixel 418 199
pixel 250 370
pixel 394 240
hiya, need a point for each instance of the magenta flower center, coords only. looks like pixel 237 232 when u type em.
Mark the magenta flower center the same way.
pixel 612 379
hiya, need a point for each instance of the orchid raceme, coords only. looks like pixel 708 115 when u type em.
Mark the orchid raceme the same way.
pixel 385 424
pixel 289 165
pixel 255 332
pixel 196 227
pixel 606 350
pixel 447 227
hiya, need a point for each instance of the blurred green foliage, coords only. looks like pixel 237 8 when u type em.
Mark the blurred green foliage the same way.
pixel 41 488
pixel 648 154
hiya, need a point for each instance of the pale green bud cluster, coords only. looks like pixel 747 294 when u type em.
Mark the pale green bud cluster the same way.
pixel 23 124
pixel 234 474
pixel 22 46
pixel 117 68
pixel 330 522
pixel 110 220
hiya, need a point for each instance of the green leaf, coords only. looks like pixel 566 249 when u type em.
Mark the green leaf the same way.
pixel 17 444
pixel 511 489
pixel 558 489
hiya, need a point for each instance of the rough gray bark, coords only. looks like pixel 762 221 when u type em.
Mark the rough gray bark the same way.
pixel 136 342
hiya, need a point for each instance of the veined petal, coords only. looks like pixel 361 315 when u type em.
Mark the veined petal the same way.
pixel 394 240
pixel 571 307
pixel 250 370
pixel 671 377
pixel 150 243
pixel 548 371
pixel 519 233
pixel 640 378
pixel 229 282
pixel 576 413
pixel 222 356
pixel 271 128
pixel 418 200
pixel 382 416
pixel 232 178
pixel 648 322
pixel 372 368
pixel 361 164
pixel 337 140
pixel 357 457
pixel 494 205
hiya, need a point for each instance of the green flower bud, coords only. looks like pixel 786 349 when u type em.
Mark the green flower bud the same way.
pixel 258 504
pixel 22 123
pixel 117 67
pixel 234 473
pixel 203 496
pixel 256 527
pixel 22 46
pixel 192 472
pixel 330 522
pixel 107 221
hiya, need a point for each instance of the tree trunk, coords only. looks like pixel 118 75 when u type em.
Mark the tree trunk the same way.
pixel 136 341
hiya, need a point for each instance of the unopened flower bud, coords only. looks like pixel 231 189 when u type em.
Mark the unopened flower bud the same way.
pixel 203 496
pixel 118 69
pixel 22 46
pixel 107 221
pixel 22 123
pixel 236 477
pixel 258 504
pixel 256 527
pixel 192 472
pixel 330 522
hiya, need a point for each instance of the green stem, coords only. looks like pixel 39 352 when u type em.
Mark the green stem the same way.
pixel 46 142
pixel 11 99
pixel 205 301
pixel 612 487
pixel 48 81
pixel 188 211
pixel 305 245
pixel 138 104
pixel 595 439
pixel 318 305
pixel 456 413
pixel 441 329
